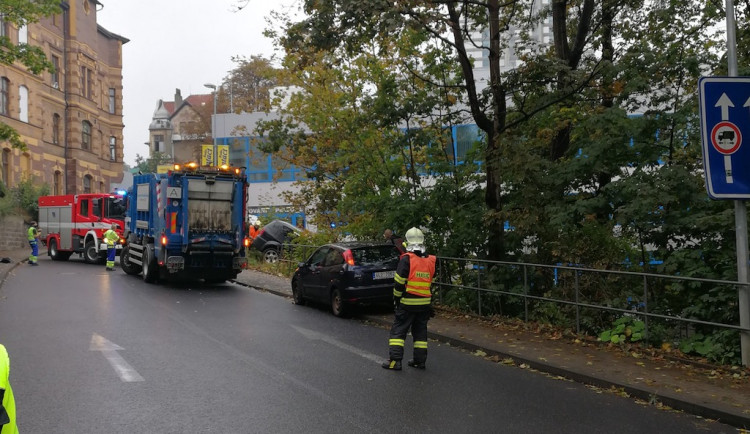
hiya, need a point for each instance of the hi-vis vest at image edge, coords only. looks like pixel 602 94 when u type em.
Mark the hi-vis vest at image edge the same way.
pixel 421 271
pixel 8 409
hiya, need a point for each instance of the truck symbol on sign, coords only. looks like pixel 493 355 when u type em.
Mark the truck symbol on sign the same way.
pixel 726 139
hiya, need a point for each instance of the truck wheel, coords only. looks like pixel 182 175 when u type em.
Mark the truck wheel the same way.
pixel 54 253
pixel 127 266
pixel 150 271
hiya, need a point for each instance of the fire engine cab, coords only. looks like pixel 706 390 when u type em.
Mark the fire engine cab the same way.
pixel 76 224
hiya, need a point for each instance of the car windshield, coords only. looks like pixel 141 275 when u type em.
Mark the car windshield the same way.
pixel 374 255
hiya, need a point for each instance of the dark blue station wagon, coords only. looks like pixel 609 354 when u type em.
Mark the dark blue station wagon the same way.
pixel 346 274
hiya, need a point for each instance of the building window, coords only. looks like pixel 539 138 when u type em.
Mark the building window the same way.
pixel 23 34
pixel 87 184
pixel 4 27
pixel 23 103
pixel 57 183
pixel 85 135
pixel 56 129
pixel 4 96
pixel 87 84
pixel 112 148
pixel 6 167
pixel 56 72
pixel 112 100
pixel 101 187
pixel 158 143
pixel 25 166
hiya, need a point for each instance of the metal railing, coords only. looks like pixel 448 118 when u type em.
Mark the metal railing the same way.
pixel 580 284
pixel 476 285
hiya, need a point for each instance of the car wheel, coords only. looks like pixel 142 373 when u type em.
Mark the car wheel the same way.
pixel 337 303
pixel 271 256
pixel 297 291
pixel 90 254
pixel 149 266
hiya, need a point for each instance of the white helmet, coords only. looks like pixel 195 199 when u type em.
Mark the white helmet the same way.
pixel 414 240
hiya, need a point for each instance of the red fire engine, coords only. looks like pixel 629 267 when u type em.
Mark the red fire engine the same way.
pixel 75 224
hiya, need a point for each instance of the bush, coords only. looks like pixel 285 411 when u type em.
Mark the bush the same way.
pixel 22 199
pixel 625 329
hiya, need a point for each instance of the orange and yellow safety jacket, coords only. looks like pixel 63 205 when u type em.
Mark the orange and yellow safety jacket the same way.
pixel 414 289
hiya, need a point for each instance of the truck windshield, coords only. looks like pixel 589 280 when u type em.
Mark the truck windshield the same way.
pixel 116 208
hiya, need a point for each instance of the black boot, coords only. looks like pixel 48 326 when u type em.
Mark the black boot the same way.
pixel 418 365
pixel 393 365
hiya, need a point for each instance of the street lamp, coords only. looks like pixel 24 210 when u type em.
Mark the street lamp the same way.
pixel 213 125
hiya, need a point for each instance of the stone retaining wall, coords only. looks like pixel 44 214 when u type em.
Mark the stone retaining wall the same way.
pixel 12 233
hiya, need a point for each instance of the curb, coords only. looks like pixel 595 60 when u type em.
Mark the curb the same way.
pixel 10 270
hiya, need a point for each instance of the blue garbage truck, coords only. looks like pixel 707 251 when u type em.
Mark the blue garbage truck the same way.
pixel 186 224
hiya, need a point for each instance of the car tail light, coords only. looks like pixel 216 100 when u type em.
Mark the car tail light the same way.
pixel 348 257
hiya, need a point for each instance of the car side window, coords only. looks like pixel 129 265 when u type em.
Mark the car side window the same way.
pixel 319 256
pixel 333 258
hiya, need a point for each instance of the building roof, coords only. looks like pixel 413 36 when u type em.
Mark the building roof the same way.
pixel 111 35
pixel 192 100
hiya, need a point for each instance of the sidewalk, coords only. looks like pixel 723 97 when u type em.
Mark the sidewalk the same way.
pixel 711 392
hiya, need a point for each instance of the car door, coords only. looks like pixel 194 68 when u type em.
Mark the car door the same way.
pixel 331 272
pixel 310 274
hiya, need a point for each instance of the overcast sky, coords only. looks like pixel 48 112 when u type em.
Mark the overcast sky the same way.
pixel 179 44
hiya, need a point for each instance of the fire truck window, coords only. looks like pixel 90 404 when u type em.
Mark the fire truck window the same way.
pixel 97 207
pixel 116 208
pixel 84 208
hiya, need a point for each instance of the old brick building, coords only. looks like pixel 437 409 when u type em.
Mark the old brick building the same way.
pixel 71 119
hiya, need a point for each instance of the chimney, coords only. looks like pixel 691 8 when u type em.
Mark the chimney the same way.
pixel 177 98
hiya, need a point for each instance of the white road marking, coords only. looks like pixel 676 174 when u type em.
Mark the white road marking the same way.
pixel 109 350
pixel 313 335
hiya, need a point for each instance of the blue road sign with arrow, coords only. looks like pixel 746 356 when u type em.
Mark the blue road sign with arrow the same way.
pixel 725 125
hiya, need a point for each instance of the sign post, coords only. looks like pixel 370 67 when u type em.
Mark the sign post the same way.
pixel 722 126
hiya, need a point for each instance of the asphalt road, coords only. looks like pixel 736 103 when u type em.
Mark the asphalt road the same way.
pixel 102 352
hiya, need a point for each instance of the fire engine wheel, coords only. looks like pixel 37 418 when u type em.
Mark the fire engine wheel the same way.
pixel 338 308
pixel 55 254
pixel 90 254
pixel 127 266
pixel 149 266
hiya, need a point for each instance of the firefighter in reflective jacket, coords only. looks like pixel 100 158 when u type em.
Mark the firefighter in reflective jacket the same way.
pixel 412 298
pixel 7 402
pixel 111 238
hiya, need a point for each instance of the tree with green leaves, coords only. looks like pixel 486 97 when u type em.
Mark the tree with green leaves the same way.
pixel 151 164
pixel 591 149
pixel 248 86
